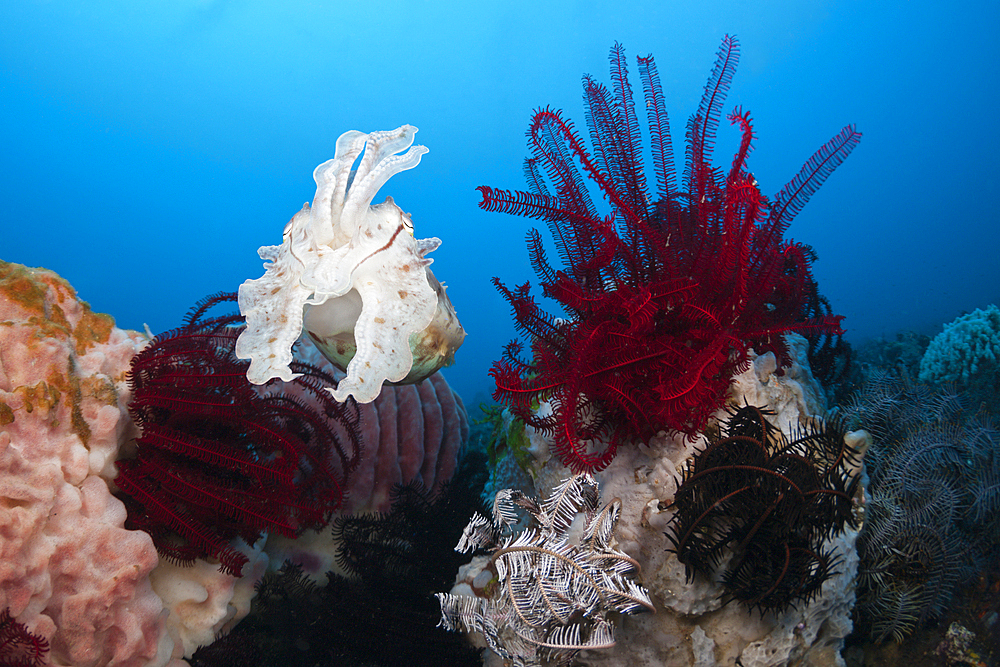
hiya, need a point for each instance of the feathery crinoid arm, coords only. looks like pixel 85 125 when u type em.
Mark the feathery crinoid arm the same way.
pixel 703 125
pixel 663 293
pixel 659 128
pixel 551 596
pixel 813 174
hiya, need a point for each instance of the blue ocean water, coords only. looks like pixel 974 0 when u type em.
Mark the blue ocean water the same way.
pixel 150 147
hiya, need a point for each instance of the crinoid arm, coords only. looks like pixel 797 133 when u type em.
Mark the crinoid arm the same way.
pixel 18 646
pixel 219 458
pixel 551 596
pixel 664 295
pixel 765 504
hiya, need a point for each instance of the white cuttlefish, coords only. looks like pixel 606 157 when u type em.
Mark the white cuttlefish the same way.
pixel 354 278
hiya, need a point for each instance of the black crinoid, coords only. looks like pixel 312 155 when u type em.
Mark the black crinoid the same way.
pixel 933 515
pixel 383 613
pixel 220 458
pixel 764 504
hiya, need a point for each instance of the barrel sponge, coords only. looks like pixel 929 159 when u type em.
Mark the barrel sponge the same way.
pixel 410 434
pixel 967 353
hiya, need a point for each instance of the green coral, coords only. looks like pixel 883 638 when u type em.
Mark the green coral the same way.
pixel 507 437
pixel 967 354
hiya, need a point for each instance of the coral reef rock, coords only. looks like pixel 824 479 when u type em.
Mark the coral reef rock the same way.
pixel 203 601
pixel 692 626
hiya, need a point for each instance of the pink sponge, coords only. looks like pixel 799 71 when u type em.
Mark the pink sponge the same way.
pixel 69 571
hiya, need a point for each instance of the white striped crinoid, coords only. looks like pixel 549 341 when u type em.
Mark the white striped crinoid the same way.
pixel 551 593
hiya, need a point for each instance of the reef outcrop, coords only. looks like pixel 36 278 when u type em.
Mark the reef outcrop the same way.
pixel 693 625
pixel 70 572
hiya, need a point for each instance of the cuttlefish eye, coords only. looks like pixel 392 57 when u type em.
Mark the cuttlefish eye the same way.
pixel 407 221
pixel 287 233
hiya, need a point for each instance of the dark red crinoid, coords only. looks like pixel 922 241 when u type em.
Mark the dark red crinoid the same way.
pixel 665 294
pixel 220 458
pixel 18 646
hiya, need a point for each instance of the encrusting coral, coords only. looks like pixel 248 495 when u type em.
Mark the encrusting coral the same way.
pixel 355 277
pixel 666 294
pixel 551 593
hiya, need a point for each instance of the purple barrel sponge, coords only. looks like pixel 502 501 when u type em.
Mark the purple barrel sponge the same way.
pixel 408 432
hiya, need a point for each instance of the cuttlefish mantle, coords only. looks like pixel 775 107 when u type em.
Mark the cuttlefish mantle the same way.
pixel 355 276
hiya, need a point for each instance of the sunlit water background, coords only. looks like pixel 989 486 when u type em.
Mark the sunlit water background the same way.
pixel 150 147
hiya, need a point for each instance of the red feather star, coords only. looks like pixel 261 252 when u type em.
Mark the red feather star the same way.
pixel 666 293
pixel 220 458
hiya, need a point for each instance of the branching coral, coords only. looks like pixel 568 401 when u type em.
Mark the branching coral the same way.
pixel 356 277
pixel 666 293
pixel 769 501
pixel 550 598
pixel 219 458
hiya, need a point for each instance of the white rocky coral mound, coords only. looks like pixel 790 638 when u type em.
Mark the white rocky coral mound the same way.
pixel 691 626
